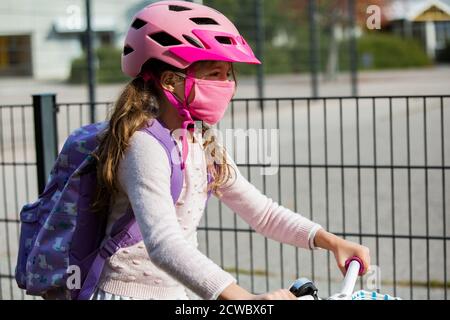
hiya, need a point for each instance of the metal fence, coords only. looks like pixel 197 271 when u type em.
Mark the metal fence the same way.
pixel 370 169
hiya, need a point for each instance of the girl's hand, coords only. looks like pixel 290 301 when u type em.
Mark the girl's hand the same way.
pixel 235 292
pixel 346 250
pixel 281 294
pixel 342 249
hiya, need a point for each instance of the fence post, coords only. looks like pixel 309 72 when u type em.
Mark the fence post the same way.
pixel 353 48
pixel 45 135
pixel 313 48
pixel 90 56
pixel 259 14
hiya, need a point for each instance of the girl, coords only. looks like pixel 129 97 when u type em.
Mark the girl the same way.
pixel 180 55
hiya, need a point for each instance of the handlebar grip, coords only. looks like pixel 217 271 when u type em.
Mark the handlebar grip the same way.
pixel 355 258
pixel 353 267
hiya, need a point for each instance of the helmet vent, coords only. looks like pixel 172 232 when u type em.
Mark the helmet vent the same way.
pixel 192 41
pixel 138 23
pixel 127 50
pixel 224 40
pixel 164 39
pixel 178 8
pixel 203 21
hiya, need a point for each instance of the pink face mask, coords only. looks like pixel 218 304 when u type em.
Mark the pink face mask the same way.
pixel 211 98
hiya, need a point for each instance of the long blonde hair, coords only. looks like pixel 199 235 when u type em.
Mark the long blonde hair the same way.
pixel 136 105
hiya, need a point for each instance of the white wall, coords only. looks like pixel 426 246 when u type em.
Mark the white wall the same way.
pixel 52 52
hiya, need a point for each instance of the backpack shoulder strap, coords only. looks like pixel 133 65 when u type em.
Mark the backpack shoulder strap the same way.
pixel 125 231
pixel 158 130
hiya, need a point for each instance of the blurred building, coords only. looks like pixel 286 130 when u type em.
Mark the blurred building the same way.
pixel 426 20
pixel 40 38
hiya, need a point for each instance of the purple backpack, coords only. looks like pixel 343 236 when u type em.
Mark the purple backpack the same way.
pixel 61 240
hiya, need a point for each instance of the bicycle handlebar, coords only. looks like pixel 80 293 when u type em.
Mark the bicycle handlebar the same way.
pixel 354 267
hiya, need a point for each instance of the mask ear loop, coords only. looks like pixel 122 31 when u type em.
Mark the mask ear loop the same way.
pixel 147 77
pixel 183 110
pixel 188 123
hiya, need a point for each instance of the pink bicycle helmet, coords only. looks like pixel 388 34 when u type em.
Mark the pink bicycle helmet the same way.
pixel 181 33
